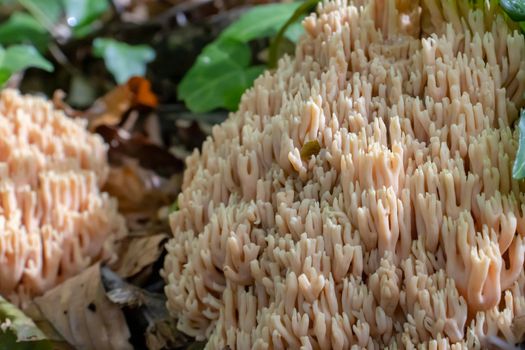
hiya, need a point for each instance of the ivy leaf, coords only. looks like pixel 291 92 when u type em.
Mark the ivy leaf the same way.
pixel 21 27
pixel 514 8
pixel 260 22
pixel 16 58
pixel 19 332
pixel 47 12
pixel 82 12
pixel 123 60
pixel 518 170
pixel 221 73
pixel 219 76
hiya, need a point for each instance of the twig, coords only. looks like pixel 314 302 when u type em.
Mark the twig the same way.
pixel 62 59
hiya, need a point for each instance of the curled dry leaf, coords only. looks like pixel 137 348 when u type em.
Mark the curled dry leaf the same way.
pixel 111 108
pixel 142 94
pixel 129 184
pixel 80 311
pixel 141 192
pixel 139 252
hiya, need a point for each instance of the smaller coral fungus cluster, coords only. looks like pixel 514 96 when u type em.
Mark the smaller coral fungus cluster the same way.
pixel 54 220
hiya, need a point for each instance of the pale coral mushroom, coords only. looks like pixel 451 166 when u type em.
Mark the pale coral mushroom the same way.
pixel 54 219
pixel 406 230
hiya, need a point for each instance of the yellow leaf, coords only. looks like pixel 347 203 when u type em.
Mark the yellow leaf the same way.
pixel 311 148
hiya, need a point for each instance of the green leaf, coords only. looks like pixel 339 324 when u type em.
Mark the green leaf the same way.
pixel 19 332
pixel 305 8
pixel 518 170
pixel 221 73
pixel 16 58
pixel 47 12
pixel 4 76
pixel 123 60
pixel 514 8
pixel 260 22
pixel 82 12
pixel 21 27
pixel 219 77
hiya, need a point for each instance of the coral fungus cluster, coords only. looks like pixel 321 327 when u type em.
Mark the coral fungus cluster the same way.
pixel 406 229
pixel 54 220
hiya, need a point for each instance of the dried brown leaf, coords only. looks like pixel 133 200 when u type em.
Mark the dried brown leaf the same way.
pixel 59 343
pixel 110 109
pixel 83 315
pixel 142 94
pixel 128 185
pixel 139 252
pixel 140 191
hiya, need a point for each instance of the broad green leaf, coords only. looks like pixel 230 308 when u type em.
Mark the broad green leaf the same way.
pixel 518 170
pixel 47 12
pixel 4 76
pixel 221 73
pixel 19 332
pixel 19 57
pixel 514 8
pixel 260 22
pixel 300 11
pixel 219 77
pixel 123 60
pixel 21 27
pixel 81 12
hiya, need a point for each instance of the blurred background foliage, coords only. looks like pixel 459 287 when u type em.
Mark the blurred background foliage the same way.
pixel 86 47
